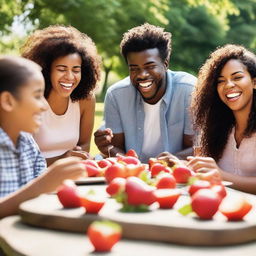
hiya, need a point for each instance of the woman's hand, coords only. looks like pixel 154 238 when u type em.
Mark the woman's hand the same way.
pixel 205 168
pixel 78 152
pixel 198 163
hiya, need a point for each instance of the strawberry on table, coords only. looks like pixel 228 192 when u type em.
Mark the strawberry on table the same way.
pixel 131 152
pixel 68 194
pixel 92 202
pixel 167 197
pixel 205 203
pixel 104 235
pixel 235 207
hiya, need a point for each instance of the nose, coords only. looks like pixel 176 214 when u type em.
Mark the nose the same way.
pixel 143 73
pixel 69 75
pixel 229 83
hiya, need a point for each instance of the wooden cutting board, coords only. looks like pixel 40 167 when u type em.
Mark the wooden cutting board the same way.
pixel 156 225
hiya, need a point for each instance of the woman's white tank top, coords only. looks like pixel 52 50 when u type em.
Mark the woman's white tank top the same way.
pixel 59 133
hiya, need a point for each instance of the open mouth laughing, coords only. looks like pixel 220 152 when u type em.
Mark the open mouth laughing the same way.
pixel 233 96
pixel 67 86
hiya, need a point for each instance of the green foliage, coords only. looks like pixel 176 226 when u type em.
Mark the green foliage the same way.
pixel 197 26
pixel 195 34
pixel 8 9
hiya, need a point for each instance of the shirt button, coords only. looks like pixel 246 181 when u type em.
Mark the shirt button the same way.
pixel 139 128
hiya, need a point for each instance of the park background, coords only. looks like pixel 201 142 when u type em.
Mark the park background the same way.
pixel 197 27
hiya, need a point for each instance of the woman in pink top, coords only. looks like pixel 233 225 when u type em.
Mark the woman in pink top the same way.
pixel 224 109
pixel 71 69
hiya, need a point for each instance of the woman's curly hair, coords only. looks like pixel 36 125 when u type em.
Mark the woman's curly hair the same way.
pixel 46 45
pixel 211 117
pixel 145 37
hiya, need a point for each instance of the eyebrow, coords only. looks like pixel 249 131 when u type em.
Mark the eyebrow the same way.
pixel 64 66
pixel 234 73
pixel 148 63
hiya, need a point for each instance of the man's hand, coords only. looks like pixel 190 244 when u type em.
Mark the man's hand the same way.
pixel 169 158
pixel 103 140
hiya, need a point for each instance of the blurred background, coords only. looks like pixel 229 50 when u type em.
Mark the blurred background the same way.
pixel 197 27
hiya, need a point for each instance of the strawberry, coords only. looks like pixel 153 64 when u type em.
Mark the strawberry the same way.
pixel 205 203
pixel 115 170
pixel 235 207
pixel 92 203
pixel 182 174
pixel 116 186
pixel 92 168
pixel 165 180
pixel 167 197
pixel 68 194
pixel 104 235
pixel 131 152
pixel 138 192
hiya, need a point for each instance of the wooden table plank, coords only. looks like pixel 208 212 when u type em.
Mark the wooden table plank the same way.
pixel 17 238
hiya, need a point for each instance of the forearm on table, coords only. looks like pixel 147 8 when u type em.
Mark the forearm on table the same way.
pixel 9 205
pixel 184 153
pixel 243 183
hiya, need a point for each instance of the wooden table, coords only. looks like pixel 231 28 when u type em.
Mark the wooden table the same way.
pixel 19 239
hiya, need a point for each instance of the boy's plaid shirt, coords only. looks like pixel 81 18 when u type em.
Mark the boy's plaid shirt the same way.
pixel 20 164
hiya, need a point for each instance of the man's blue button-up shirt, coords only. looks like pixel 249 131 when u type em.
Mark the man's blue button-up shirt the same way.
pixel 124 113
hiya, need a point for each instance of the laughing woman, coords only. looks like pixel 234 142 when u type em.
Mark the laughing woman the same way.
pixel 71 69
pixel 224 109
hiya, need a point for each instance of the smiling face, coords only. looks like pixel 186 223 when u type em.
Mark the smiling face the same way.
pixel 148 74
pixel 235 86
pixel 30 104
pixel 65 74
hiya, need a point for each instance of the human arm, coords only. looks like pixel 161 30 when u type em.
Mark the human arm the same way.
pixel 68 168
pixel 187 147
pixel 243 183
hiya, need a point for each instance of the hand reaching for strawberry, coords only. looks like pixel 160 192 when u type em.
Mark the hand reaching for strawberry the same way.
pixel 205 168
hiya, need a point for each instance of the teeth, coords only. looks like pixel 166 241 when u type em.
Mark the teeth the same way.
pixel 233 95
pixel 66 85
pixel 145 84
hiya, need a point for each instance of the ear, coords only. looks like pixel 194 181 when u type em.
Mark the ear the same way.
pixel 7 101
pixel 166 64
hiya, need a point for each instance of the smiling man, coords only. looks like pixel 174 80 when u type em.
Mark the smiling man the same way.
pixel 149 110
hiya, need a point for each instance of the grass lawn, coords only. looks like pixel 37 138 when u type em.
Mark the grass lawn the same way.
pixel 97 121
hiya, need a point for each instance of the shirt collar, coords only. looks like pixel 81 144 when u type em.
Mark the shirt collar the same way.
pixel 168 93
pixel 6 141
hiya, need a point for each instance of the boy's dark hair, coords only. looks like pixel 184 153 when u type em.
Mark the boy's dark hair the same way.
pixel 145 37
pixel 46 45
pixel 15 72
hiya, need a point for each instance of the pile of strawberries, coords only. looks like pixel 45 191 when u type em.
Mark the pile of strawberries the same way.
pixel 138 186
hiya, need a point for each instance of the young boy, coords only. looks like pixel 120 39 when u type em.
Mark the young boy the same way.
pixel 23 173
